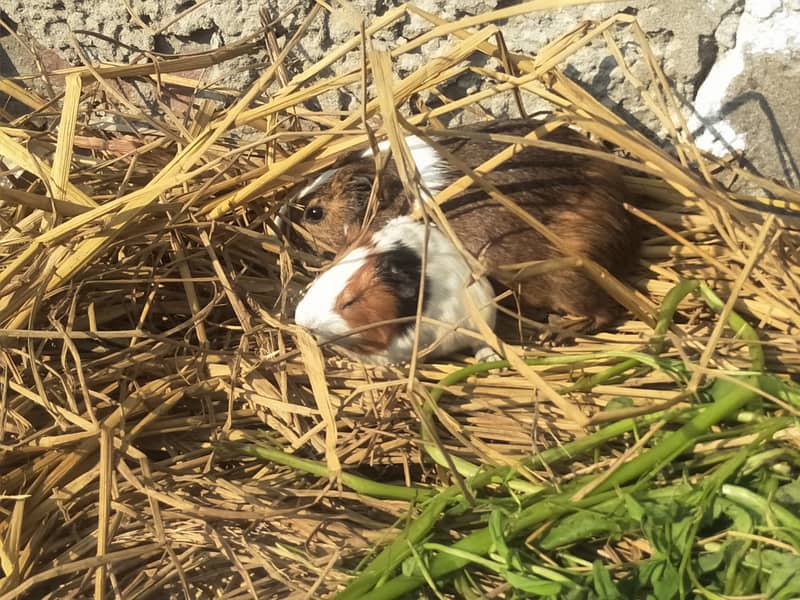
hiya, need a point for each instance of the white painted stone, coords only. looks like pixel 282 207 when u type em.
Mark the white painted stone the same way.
pixel 764 9
pixel 766 26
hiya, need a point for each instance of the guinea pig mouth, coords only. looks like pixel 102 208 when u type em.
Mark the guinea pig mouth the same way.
pixel 344 338
pixel 360 342
pixel 363 346
pixel 353 342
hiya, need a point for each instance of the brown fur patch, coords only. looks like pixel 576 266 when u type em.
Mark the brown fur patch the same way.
pixel 344 199
pixel 368 300
pixel 338 216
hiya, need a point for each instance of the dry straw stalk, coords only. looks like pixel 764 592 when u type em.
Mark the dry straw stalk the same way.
pixel 145 302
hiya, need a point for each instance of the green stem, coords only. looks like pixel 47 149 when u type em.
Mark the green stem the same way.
pixel 480 541
pixel 468 469
pixel 361 485
pixel 575 448
pixel 478 368
pixel 741 328
pixel 669 306
pixel 396 552
pixel 727 396
pixel 728 399
pixel 477 543
pixel 665 317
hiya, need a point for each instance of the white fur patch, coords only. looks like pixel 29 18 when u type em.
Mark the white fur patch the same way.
pixel 432 168
pixel 321 180
pixel 316 311
pixel 448 281
pixel 281 219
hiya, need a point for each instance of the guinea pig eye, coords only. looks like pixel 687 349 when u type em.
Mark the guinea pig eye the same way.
pixel 314 213
pixel 350 302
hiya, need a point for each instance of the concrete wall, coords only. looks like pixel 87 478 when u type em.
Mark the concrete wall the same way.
pixel 735 61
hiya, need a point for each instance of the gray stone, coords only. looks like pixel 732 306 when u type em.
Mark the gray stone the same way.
pixel 695 42
pixel 767 114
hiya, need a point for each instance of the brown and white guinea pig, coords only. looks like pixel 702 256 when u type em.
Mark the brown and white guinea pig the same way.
pixel 378 281
pixel 578 197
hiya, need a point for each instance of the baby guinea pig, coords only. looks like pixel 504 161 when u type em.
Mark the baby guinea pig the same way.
pixel 579 198
pixel 378 280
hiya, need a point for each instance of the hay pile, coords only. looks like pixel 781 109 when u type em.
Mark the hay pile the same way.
pixel 145 301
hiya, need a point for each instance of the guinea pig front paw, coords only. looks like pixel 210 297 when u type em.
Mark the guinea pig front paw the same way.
pixel 486 354
pixel 562 330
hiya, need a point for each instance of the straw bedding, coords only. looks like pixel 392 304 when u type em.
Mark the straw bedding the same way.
pixel 145 303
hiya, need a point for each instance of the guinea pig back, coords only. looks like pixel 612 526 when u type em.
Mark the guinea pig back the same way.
pixel 367 298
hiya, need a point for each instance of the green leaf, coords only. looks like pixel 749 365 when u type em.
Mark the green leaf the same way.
pixel 659 575
pixel 576 527
pixel 497 523
pixel 742 520
pixel 532 585
pixel 666 586
pixel 409 566
pixel 603 584
pixel 619 402
pixel 635 510
pixel 710 561
pixel 789 495
pixel 784 577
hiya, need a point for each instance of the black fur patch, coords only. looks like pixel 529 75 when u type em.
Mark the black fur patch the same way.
pixel 400 269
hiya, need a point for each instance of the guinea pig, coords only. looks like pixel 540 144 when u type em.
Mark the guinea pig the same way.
pixel 377 282
pixel 578 197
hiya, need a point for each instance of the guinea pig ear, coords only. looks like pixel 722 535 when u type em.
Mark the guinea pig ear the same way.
pixel 391 193
pixel 355 156
pixel 361 184
pixel 400 268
